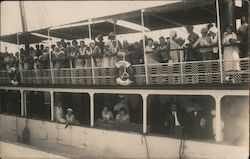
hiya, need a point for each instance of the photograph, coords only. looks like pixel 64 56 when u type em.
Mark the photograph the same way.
pixel 125 79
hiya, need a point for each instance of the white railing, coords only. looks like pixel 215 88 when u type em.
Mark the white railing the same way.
pixel 193 72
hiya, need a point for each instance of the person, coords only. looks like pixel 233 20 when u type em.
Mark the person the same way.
pixel 243 37
pixel 44 58
pixel 175 54
pixel 88 55
pixel 122 116
pixel 231 54
pixel 106 114
pixel 97 54
pixel 114 46
pixel 14 76
pixel 213 113
pixel 162 51
pixel 59 115
pixel 122 103
pixel 150 52
pixel 70 117
pixel 213 33
pixel 58 57
pixel 72 56
pixel 80 55
pixel 204 41
pixel 136 55
pixel 191 54
pixel 38 52
pixel 106 56
pixel 173 121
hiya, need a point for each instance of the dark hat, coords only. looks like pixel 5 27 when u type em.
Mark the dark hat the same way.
pixel 189 27
pixel 161 37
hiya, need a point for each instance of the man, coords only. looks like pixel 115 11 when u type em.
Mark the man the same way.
pixel 163 51
pixel 173 121
pixel 192 55
pixel 70 118
pixel 243 37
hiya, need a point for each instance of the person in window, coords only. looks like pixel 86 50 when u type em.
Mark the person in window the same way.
pixel 122 116
pixel 204 41
pixel 213 33
pixel 150 52
pixel 70 117
pixel 162 51
pixel 122 103
pixel 106 114
pixel 243 37
pixel 59 115
pixel 191 54
pixel 213 113
pixel 173 121
pixel 231 56
pixel 14 76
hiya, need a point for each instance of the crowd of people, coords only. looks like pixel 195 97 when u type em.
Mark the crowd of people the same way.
pixel 171 49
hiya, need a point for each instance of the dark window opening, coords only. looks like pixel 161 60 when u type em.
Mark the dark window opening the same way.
pixel 72 108
pixel 38 105
pixel 181 116
pixel 10 102
pixel 118 111
pixel 235 118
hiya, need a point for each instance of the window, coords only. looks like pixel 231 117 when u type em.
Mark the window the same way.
pixel 118 111
pixel 38 105
pixel 72 108
pixel 235 116
pixel 10 102
pixel 181 116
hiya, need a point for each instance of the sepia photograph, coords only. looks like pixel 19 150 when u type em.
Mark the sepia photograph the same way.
pixel 126 79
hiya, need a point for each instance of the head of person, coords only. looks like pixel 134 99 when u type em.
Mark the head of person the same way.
pixel 53 46
pixel 92 44
pixel 58 43
pixel 204 32
pixel 46 49
pixel 105 109
pixel 243 20
pixel 196 105
pixel 213 112
pixel 156 44
pixel 114 43
pixel 213 31
pixel 210 25
pixel 82 43
pixel 122 111
pixel 190 28
pixel 137 45
pixel 62 41
pixel 111 36
pixel 229 29
pixel 72 49
pixel 125 44
pixel 37 46
pixel 42 46
pixel 69 111
pixel 150 42
pixel 100 37
pixel 74 43
pixel 173 107
pixel 162 40
pixel 68 44
pixel 173 34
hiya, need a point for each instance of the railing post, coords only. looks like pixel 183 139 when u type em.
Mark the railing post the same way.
pixel 50 59
pixel 92 109
pixel 219 40
pixel 145 111
pixel 20 62
pixel 181 66
pixel 51 105
pixel 218 117
pixel 71 71
pixel 92 61
pixel 144 46
pixel 22 102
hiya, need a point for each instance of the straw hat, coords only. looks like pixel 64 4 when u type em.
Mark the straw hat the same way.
pixel 70 110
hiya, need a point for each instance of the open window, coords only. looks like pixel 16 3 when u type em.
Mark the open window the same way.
pixel 181 115
pixel 72 108
pixel 235 118
pixel 38 105
pixel 118 111
pixel 10 102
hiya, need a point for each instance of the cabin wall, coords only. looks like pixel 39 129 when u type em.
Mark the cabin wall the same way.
pixel 82 141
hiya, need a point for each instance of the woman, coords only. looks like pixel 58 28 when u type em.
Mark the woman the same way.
pixel 213 33
pixel 106 114
pixel 150 52
pixel 106 56
pixel 80 55
pixel 231 58
pixel 70 117
pixel 59 113
pixel 114 48
pixel 97 54
pixel 122 116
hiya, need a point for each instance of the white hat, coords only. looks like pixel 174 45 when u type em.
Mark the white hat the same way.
pixel 70 110
pixel 213 29
pixel 172 33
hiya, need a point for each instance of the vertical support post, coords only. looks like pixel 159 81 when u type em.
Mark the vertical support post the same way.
pixel 219 39
pixel 115 27
pixel 218 117
pixel 51 105
pixel 22 102
pixel 71 71
pixel 20 62
pixel 145 111
pixel 144 46
pixel 92 60
pixel 50 59
pixel 92 109
pixel 181 66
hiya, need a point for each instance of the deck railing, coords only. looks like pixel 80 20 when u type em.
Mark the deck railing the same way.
pixel 161 73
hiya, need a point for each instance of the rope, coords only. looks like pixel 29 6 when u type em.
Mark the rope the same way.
pixel 146 143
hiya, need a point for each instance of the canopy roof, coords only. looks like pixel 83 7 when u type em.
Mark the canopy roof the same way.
pixel 155 18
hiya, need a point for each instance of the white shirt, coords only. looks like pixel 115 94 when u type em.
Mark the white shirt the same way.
pixel 176 119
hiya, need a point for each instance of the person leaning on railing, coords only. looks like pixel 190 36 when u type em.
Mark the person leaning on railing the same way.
pixel 190 53
pixel 231 58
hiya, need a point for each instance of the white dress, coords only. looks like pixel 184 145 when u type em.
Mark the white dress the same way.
pixel 231 54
